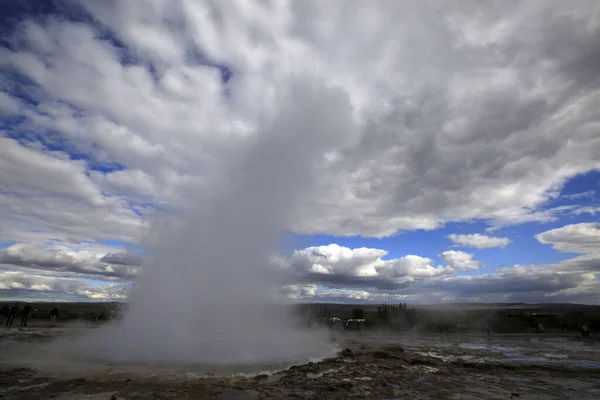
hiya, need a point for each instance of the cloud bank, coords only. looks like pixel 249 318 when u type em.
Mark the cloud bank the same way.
pixel 457 113
pixel 337 273
pixel 479 241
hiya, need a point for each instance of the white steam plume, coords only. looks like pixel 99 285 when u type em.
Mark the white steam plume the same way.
pixel 204 295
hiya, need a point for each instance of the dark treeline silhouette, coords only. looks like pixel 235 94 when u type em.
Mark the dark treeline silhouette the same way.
pixel 315 310
pixel 464 318
pixel 389 313
pixel 510 318
pixel 58 312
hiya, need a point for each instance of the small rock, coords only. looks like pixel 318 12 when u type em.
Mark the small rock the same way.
pixel 384 355
pixel 113 397
pixel 340 385
pixel 393 348
pixel 261 377
pixel 237 394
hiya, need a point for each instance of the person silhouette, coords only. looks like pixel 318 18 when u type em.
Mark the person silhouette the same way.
pixel 25 314
pixel 53 315
pixel 12 314
pixel 4 312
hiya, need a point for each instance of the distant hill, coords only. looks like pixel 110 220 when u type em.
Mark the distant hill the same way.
pixel 346 306
pixel 473 305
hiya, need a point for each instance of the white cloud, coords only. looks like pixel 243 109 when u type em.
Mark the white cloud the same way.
pixel 27 286
pixel 361 267
pixel 582 195
pixel 69 261
pixel 28 172
pixel 324 273
pixel 576 238
pixel 479 241
pixel 45 191
pixel 411 268
pixel 54 271
pixel 460 260
pixel 586 210
pixel 312 293
pixel 343 295
pixel 490 128
pixel 334 259
pixel 413 279
pixel 430 138
pixel 298 292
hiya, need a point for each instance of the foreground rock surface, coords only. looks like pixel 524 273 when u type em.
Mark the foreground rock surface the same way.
pixel 360 371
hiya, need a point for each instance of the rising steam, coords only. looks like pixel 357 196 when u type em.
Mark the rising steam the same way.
pixel 205 294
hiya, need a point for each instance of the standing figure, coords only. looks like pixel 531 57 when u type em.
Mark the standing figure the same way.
pixel 12 314
pixel 4 312
pixel 585 331
pixel 25 315
pixel 53 315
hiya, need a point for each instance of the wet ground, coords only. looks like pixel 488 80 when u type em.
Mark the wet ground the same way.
pixel 371 366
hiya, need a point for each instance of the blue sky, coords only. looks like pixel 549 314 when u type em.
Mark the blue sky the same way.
pixel 115 119
pixel 523 250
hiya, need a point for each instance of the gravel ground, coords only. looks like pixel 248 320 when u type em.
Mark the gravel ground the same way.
pixel 371 367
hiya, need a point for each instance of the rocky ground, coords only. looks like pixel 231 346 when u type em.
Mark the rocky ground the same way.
pixel 365 369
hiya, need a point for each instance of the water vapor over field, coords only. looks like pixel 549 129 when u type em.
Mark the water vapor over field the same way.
pixel 205 294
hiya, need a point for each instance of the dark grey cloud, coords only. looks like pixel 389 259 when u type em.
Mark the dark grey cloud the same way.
pixel 354 282
pixel 479 133
pixel 65 261
pixel 122 259
pixel 511 280
pixel 413 279
pixel 573 47
pixel 460 111
pixel 26 284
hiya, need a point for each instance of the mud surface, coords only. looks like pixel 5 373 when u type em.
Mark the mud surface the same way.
pixel 371 367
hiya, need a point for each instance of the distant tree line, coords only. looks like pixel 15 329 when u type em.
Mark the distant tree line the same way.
pixel 315 311
pixel 77 311
pixel 399 314
pixel 399 317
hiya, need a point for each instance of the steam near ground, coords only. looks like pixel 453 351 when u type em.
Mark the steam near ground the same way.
pixel 199 301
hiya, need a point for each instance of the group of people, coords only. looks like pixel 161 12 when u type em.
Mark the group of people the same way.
pixel 10 313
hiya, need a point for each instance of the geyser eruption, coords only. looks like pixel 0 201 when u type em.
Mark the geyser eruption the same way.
pixel 205 294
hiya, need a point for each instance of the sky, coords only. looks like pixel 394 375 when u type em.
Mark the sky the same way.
pixel 468 171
